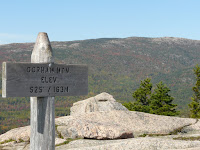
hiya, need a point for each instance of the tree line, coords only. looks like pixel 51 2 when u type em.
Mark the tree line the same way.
pixel 160 102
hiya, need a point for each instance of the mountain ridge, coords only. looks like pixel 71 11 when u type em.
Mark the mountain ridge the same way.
pixel 116 66
pixel 131 37
pixel 150 58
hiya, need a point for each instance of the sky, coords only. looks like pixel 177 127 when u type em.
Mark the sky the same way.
pixel 68 20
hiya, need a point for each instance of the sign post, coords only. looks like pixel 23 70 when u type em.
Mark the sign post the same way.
pixel 43 80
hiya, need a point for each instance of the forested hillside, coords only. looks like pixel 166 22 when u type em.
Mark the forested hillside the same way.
pixel 116 66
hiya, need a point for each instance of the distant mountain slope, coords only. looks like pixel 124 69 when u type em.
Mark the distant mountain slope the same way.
pixel 117 65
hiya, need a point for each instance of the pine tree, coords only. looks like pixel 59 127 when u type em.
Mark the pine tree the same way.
pixel 195 104
pixel 161 101
pixel 129 105
pixel 142 96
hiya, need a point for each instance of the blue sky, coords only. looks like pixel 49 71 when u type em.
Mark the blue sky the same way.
pixel 67 20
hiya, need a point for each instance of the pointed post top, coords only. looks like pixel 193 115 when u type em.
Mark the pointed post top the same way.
pixel 42 52
pixel 42 37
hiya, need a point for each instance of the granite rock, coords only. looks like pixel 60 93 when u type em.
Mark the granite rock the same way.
pixel 101 102
pixel 21 134
pixel 147 143
pixel 24 145
pixel 94 131
pixel 194 129
pixel 17 134
pixel 98 124
pixel 114 124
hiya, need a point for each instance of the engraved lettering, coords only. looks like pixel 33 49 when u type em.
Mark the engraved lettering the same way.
pixel 51 70
pixel 58 70
pixel 57 89
pixel 36 89
pixel 38 69
pixel 45 79
pixel 54 79
pixel 28 69
pixel 66 89
pixel 60 89
pixel 49 89
pixel 33 69
pixel 48 79
pixel 31 89
pixel 46 70
pixel 42 69
pixel 42 79
pixel 67 70
pixel 40 89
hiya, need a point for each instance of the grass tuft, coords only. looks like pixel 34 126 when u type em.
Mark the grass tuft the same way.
pixel 7 141
pixel 188 138
pixel 68 141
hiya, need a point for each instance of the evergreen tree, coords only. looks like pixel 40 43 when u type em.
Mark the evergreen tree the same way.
pixel 195 104
pixel 129 105
pixel 161 101
pixel 142 96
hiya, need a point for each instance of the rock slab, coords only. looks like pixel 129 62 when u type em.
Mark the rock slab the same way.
pixel 101 102
pixel 194 129
pixel 17 134
pixel 113 124
pixel 147 143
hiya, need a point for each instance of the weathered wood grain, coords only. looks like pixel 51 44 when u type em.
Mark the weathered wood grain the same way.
pixel 42 108
pixel 33 79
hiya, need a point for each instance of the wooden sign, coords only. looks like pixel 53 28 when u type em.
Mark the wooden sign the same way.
pixel 44 79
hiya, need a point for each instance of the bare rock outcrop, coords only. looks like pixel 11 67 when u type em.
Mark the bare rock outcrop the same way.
pixel 148 143
pixel 101 117
pixel 115 123
pixel 195 128
pixel 21 135
pixel 101 102
pixel 94 130
pixel 17 134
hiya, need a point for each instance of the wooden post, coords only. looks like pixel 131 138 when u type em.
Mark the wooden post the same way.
pixel 42 108
pixel 44 79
